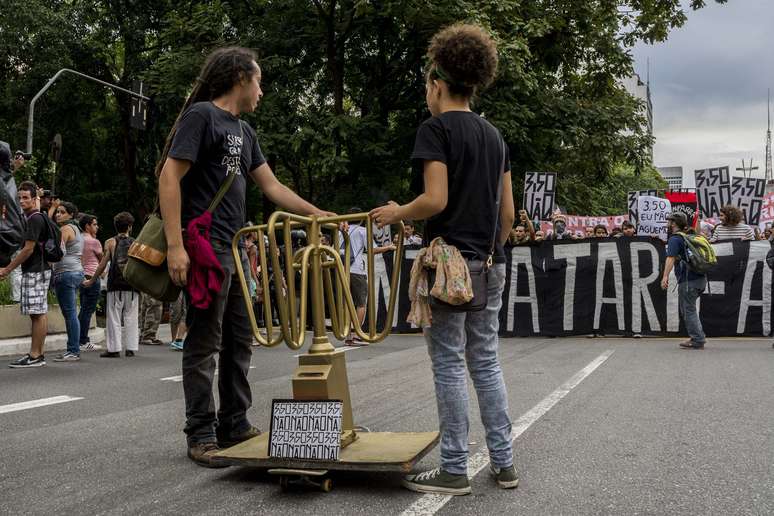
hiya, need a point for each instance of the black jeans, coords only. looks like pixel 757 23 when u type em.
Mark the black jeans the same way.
pixel 224 330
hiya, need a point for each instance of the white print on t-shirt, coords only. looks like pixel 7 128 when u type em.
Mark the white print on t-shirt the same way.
pixel 235 153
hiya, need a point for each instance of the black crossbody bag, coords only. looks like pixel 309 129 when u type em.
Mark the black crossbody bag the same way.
pixel 479 269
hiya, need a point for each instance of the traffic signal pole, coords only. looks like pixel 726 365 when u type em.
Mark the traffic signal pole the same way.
pixel 31 120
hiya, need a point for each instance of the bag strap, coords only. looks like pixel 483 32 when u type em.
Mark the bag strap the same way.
pixel 230 177
pixel 500 173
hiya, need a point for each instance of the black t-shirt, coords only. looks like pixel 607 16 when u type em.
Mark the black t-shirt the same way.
pixel 209 138
pixel 37 231
pixel 472 150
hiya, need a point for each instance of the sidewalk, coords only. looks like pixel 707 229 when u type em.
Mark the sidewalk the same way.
pixel 54 342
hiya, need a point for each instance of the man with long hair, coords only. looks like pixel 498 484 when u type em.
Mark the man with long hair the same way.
pixel 207 142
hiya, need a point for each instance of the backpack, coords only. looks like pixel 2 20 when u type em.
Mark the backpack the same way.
pixel 116 280
pixel 12 221
pixel 699 253
pixel 52 246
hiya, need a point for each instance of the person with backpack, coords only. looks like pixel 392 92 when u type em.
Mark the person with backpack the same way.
pixel 122 299
pixel 67 278
pixel 691 280
pixel 36 274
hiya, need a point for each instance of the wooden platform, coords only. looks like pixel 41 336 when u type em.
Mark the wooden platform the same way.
pixel 372 451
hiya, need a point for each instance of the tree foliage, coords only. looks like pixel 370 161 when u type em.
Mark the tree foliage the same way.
pixel 344 89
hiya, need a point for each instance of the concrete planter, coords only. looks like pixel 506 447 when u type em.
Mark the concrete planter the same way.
pixel 15 331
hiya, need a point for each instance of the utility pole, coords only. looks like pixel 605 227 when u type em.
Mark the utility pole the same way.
pixel 744 169
pixel 769 174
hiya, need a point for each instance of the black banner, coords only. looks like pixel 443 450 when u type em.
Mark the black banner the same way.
pixel 612 286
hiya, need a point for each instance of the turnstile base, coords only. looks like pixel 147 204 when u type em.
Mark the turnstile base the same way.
pixel 372 451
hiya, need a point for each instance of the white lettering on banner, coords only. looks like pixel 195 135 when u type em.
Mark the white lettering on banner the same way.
pixel 570 253
pixel 758 251
pixel 653 213
pixel 608 252
pixel 673 304
pixel 522 256
pixel 718 288
pixel 640 293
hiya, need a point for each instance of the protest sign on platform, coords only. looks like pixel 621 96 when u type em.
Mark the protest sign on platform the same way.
pixel 652 216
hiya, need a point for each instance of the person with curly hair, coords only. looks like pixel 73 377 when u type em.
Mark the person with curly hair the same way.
pixel 462 159
pixel 731 226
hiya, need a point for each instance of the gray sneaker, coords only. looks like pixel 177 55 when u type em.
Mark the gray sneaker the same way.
pixel 507 478
pixel 67 357
pixel 437 481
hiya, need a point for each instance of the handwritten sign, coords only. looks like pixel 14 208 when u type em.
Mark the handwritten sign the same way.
pixel 713 188
pixel 539 194
pixel 747 195
pixel 631 200
pixel 653 213
pixel 302 429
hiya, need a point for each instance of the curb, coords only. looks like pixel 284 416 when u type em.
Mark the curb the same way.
pixel 54 342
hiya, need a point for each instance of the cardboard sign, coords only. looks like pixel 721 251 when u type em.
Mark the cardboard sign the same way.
pixel 539 194
pixel 653 213
pixel 631 200
pixel 747 195
pixel 713 189
pixel 305 429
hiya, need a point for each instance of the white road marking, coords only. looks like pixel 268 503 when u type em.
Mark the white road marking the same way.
pixel 14 407
pixel 179 378
pixel 430 504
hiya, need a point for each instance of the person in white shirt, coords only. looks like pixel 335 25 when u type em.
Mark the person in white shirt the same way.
pixel 731 226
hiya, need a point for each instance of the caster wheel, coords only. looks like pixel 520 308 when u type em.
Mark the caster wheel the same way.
pixel 326 486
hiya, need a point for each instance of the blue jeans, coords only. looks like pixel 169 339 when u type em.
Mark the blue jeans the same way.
pixel 89 298
pixel 687 294
pixel 66 284
pixel 457 338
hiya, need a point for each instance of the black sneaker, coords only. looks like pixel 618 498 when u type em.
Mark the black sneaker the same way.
pixel 28 361
pixel 110 354
pixel 202 454
pixel 507 478
pixel 437 481
pixel 233 440
pixel 129 353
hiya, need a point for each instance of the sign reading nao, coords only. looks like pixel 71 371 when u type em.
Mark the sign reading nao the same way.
pixel 713 188
pixel 305 429
pixel 747 195
pixel 653 213
pixel 539 194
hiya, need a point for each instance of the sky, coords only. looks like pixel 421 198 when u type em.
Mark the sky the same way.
pixel 708 85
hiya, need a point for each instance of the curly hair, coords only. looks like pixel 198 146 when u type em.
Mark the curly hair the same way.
pixel 222 70
pixel 733 215
pixel 123 221
pixel 465 57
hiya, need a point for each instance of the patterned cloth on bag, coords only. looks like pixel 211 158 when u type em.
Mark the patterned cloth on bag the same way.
pixel 452 280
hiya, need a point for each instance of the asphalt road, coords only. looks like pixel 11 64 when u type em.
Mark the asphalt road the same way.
pixel 651 430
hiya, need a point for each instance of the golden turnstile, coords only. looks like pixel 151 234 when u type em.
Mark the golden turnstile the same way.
pixel 322 371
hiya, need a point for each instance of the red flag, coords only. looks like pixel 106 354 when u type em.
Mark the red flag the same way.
pixel 685 202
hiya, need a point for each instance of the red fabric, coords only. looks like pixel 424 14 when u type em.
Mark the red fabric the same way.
pixel 686 199
pixel 206 275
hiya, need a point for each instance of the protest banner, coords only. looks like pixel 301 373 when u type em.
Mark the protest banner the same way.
pixel 684 202
pixel 747 195
pixel 652 213
pixel 631 201
pixel 539 194
pixel 713 190
pixel 612 286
